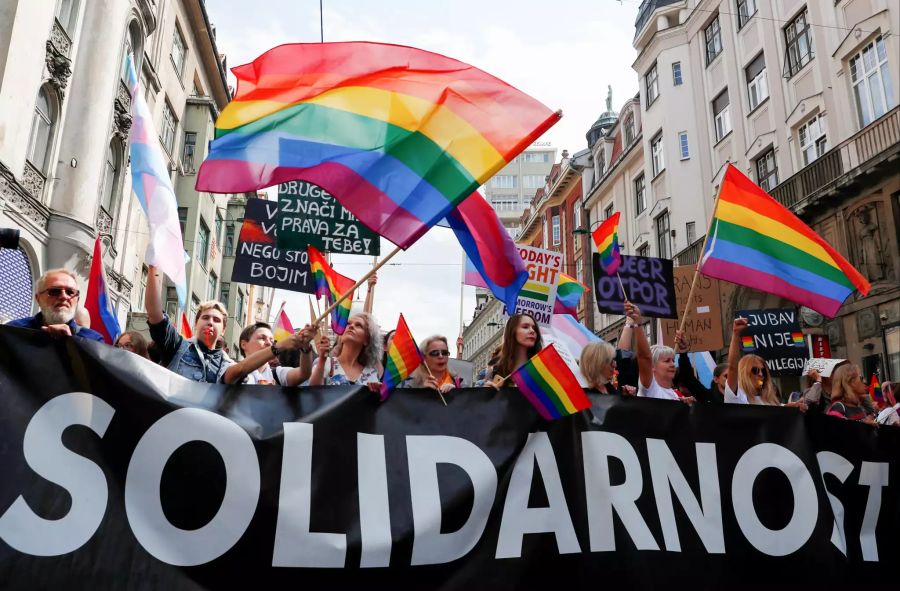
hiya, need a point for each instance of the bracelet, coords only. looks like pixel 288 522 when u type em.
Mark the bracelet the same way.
pixel 274 350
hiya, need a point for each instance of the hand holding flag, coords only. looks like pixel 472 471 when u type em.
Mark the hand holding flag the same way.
pixel 403 357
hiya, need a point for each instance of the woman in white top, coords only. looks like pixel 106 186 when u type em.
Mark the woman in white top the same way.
pixel 656 364
pixel 354 360
pixel 749 381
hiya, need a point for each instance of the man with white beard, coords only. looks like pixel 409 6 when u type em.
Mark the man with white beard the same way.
pixel 57 297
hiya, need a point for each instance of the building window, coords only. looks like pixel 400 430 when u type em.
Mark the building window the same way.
pixel 713 36
pixel 579 270
pixel 110 175
pixel 629 129
pixel 576 216
pixel 767 171
pixel 187 152
pixel 691 232
pixel 533 181
pixel 229 240
pixel 683 145
pixel 871 81
pixel 813 141
pixel 505 204
pixel 211 288
pixel 644 250
pixel 746 9
pixel 663 236
pixel 219 223
pixel 798 39
pixel 677 80
pixel 657 159
pixel 170 123
pixel 651 84
pixel 557 233
pixel 203 243
pixel 720 107
pixel 224 292
pixel 239 308
pixel 640 195
pixel 504 181
pixel 42 124
pixel 179 50
pixel 67 15
pixel 143 289
pixel 546 235
pixel 757 86
pixel 182 219
pixel 195 305
pixel 609 211
pixel 536 157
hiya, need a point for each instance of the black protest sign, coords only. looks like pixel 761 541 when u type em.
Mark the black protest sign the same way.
pixel 259 261
pixel 648 281
pixel 310 215
pixel 775 335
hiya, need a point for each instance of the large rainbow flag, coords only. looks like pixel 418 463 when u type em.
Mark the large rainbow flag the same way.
pixel 331 285
pixel 757 242
pixel 403 357
pixel 550 386
pixel 398 135
pixel 568 293
pixel 606 237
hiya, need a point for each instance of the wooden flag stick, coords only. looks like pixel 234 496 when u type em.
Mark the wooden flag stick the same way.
pixel 362 280
pixel 619 277
pixel 687 305
pixel 435 379
pixel 370 295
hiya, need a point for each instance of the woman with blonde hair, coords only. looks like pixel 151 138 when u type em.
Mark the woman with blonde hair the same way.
pixel 847 391
pixel 598 366
pixel 433 372
pixel 749 380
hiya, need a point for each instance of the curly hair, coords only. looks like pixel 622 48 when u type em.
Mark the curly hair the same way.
pixel 370 355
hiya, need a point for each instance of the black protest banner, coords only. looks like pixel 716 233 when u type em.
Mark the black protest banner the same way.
pixel 310 215
pixel 117 474
pixel 259 261
pixel 775 335
pixel 648 282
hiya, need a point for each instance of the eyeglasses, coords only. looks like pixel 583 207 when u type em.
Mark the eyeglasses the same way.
pixel 439 353
pixel 55 292
pixel 758 371
pixel 127 346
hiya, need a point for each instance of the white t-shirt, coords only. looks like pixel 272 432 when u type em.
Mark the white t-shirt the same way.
pixel 266 377
pixel 889 415
pixel 657 391
pixel 732 398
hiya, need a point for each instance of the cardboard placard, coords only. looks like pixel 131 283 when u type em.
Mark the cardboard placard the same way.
pixel 774 334
pixel 825 367
pixel 703 328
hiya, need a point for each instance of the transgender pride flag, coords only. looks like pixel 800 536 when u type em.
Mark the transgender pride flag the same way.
pixel 153 187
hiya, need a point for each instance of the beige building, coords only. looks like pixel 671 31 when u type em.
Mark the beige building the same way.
pixel 511 189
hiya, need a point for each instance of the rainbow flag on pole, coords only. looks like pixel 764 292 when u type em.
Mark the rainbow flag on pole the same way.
pixel 756 242
pixel 875 389
pixel 403 357
pixel 331 285
pixel 550 386
pixel 568 293
pixel 283 327
pixel 606 237
pixel 398 135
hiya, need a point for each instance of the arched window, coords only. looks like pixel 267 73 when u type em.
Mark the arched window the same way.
pixel 110 179
pixel 41 130
pixel 134 47
pixel 67 15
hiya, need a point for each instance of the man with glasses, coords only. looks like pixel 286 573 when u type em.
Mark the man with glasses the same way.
pixel 57 297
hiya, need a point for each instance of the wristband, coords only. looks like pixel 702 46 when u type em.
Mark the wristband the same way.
pixel 274 350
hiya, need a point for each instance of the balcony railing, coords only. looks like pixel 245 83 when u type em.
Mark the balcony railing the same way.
pixel 826 171
pixel 691 254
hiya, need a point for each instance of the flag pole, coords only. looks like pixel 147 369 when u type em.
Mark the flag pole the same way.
pixel 687 305
pixel 462 286
pixel 362 280
pixel 619 277
pixel 370 295
pixel 431 375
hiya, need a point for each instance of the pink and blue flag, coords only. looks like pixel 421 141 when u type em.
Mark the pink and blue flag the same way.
pixel 489 247
pixel 153 188
pixel 97 302
pixel 574 335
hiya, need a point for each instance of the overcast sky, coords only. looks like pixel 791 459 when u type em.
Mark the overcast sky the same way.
pixel 562 53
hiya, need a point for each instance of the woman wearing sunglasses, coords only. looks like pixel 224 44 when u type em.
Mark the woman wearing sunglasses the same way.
pixel 434 372
pixel 749 381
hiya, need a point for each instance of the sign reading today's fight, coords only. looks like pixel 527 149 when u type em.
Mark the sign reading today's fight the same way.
pixel 538 295
pixel 775 335
pixel 648 283
pixel 310 215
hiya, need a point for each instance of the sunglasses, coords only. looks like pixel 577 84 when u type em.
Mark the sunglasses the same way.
pixel 439 353
pixel 758 371
pixel 55 292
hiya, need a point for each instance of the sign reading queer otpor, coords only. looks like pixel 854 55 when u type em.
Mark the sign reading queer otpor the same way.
pixel 774 335
pixel 648 283
pixel 259 261
pixel 310 215
pixel 538 295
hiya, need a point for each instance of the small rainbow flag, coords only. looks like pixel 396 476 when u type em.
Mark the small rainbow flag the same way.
pixel 606 237
pixel 875 389
pixel 185 329
pixel 331 285
pixel 568 293
pixel 550 386
pixel 799 339
pixel 283 326
pixel 757 242
pixel 747 343
pixel 400 136
pixel 403 357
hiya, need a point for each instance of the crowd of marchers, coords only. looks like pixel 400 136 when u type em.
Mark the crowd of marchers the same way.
pixel 309 357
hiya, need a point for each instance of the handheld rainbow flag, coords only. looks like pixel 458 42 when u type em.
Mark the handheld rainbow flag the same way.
pixel 606 237
pixel 756 242
pixel 403 357
pixel 550 386
pixel 283 326
pixel 185 328
pixel 331 285
pixel 875 389
pixel 568 293
pixel 398 135
pixel 97 302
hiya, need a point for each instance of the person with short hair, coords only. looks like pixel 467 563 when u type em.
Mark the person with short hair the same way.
pixel 260 350
pixel 889 415
pixel 521 341
pixel 57 298
pixel 434 371
pixel 847 391
pixel 198 358
pixel 134 342
pixel 354 359
pixel 656 364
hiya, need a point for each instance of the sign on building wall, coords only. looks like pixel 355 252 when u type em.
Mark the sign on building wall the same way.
pixel 648 283
pixel 538 295
pixel 310 215
pixel 703 328
pixel 774 334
